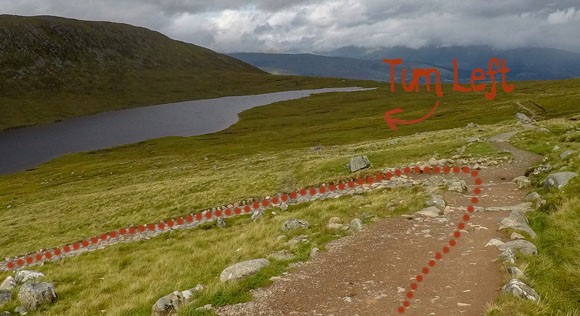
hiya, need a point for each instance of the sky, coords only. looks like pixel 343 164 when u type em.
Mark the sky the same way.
pixel 314 26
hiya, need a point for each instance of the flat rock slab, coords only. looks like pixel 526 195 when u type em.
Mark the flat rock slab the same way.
pixel 243 269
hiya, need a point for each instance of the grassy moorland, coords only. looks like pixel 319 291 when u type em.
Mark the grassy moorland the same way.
pixel 267 151
pixel 555 271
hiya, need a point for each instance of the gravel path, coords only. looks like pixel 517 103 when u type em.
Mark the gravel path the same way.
pixel 369 273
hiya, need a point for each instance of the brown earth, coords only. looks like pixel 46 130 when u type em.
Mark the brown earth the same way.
pixel 370 273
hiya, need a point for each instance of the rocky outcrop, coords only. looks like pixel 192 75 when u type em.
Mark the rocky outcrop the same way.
pixel 243 269
pixel 34 295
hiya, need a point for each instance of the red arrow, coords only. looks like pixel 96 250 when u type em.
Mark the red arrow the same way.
pixel 392 122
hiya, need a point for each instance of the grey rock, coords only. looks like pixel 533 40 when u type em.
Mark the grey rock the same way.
pixel 437 201
pixel 168 304
pixel 458 186
pixel 472 125
pixel 430 211
pixel 520 289
pixel 494 243
pixel 284 207
pixel 282 255
pixel 20 310
pixel 507 256
pixel 533 197
pixel 314 252
pixel 565 155
pixel 522 246
pixel 257 214
pixel 358 163
pixel 9 284
pixel 24 276
pixel 559 179
pixel 5 296
pixel 335 226
pixel 524 119
pixel 205 308
pixel 516 273
pixel 522 182
pixel 243 269
pixel 515 236
pixel 297 240
pixel 294 223
pixel 221 223
pixel 518 221
pixel 193 292
pixel 34 295
pixel 356 225
pixel 522 208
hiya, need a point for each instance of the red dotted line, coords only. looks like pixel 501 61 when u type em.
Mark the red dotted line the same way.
pixel 452 242
pixel 47 255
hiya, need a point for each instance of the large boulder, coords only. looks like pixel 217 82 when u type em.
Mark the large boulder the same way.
pixel 358 163
pixel 559 179
pixel 34 295
pixel 243 269
pixel 294 223
pixel 520 289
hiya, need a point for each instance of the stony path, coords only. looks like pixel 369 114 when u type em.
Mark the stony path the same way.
pixel 367 274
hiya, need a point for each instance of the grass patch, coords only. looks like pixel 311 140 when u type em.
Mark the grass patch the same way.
pixel 555 272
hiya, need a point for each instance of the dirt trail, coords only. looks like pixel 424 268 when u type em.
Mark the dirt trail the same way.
pixel 369 273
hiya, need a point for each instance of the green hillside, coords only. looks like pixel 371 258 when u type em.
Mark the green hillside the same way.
pixel 53 68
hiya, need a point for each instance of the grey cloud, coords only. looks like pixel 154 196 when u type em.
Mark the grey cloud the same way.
pixel 305 26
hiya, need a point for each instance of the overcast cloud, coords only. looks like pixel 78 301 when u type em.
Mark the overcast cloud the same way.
pixel 307 26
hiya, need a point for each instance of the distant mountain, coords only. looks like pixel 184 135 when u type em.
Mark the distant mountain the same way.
pixel 525 63
pixel 325 66
pixel 367 63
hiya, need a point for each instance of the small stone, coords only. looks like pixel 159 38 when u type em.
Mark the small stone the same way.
pixel 335 226
pixel 522 182
pixel 243 269
pixel 437 201
pixel 314 252
pixel 293 224
pixel 516 273
pixel 5 296
pixel 168 304
pixel 359 163
pixel 431 211
pixel 458 186
pixel 524 119
pixel 565 155
pixel 520 289
pixel 532 197
pixel 494 243
pixel 282 255
pixel 522 246
pixel 356 225
pixel 516 236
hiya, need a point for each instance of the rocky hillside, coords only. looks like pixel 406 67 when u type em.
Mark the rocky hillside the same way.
pixel 51 53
